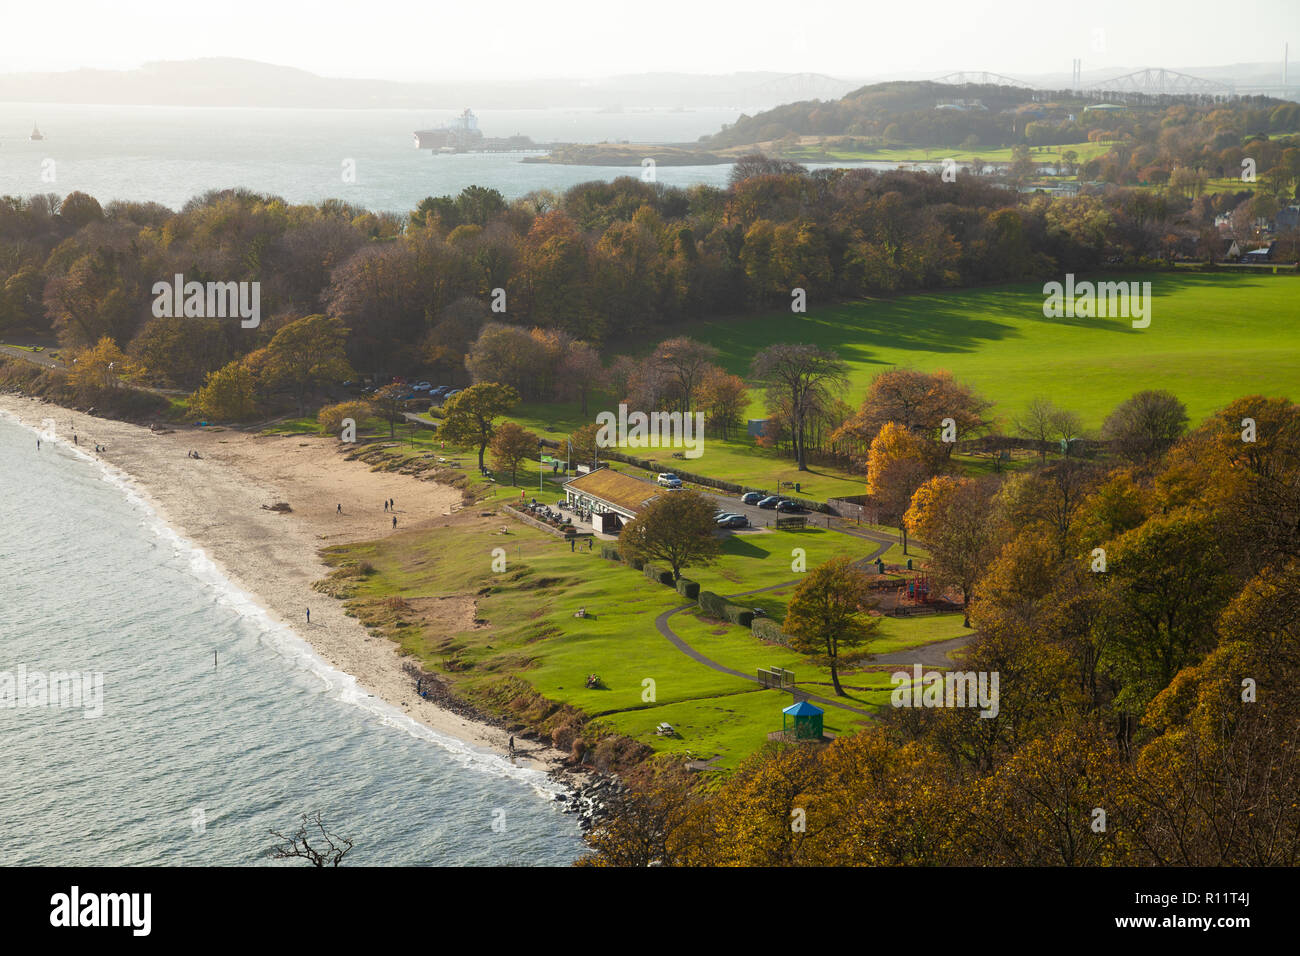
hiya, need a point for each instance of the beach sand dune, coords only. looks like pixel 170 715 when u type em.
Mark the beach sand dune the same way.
pixel 220 502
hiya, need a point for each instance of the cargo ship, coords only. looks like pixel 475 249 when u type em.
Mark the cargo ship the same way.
pixel 462 135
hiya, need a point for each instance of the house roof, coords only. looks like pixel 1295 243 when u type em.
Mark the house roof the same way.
pixel 803 709
pixel 616 488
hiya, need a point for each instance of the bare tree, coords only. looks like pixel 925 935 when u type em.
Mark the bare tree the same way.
pixel 297 846
pixel 1045 422
pixel 799 379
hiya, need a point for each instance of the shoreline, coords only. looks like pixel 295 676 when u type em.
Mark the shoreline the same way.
pixel 220 504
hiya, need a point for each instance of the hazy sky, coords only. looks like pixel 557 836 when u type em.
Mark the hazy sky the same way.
pixel 436 39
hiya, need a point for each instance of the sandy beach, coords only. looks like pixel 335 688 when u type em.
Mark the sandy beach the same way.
pixel 217 503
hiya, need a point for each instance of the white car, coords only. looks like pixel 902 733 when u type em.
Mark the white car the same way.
pixel 669 480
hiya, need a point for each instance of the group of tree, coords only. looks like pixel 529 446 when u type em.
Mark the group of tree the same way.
pixel 1143 612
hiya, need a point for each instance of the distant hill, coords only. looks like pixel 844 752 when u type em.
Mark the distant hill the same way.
pixel 223 81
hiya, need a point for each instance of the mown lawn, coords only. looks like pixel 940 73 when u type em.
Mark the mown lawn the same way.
pixel 531 631
pixel 1212 338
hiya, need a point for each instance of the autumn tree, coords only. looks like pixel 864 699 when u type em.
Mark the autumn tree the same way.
pixel 897 464
pixel 677 528
pixel 929 404
pixel 952 516
pixel 799 379
pixel 723 398
pixel 469 418
pixel 828 615
pixel 308 353
pixel 229 394
pixel 96 370
pixel 510 445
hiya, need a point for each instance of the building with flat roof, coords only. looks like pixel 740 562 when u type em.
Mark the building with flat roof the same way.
pixel 611 496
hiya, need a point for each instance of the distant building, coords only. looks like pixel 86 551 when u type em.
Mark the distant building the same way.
pixel 1287 219
pixel 1231 250
pixel 1262 254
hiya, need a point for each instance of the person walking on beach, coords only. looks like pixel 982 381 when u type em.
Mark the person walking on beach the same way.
pixel 38 444
pixel 385 506
pixel 394 522
pixel 340 510
pixel 512 743
pixel 74 439
pixel 308 615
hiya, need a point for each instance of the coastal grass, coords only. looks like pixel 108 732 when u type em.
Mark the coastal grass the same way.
pixel 523 625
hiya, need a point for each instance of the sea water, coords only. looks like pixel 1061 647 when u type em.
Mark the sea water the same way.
pixel 170 154
pixel 192 763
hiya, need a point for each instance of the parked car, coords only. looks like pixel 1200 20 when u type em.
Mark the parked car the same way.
pixel 421 386
pixel 751 498
pixel 733 521
pixel 669 480
pixel 771 501
pixel 789 507
pixel 454 391
pixel 725 514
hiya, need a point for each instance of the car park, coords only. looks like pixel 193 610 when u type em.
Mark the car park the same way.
pixel 770 501
pixel 751 498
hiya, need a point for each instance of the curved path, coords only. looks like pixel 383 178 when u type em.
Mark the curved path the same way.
pixel 883 543
pixel 928 655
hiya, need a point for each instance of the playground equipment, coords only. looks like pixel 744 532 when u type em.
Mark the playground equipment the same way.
pixel 915 590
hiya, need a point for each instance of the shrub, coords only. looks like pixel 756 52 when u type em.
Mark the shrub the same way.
pixel 635 562
pixel 666 578
pixel 739 615
pixel 713 605
pixel 330 418
pixel 609 552
pixel 688 588
pixel 766 629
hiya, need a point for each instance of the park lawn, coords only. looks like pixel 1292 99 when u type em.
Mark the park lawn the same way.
pixel 1212 338
pixel 531 631
pixel 759 559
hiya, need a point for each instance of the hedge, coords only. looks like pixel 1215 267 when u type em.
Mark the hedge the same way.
pixel 766 629
pixel 714 605
pixel 740 615
pixel 636 562
pixel 655 574
pixel 688 588
pixel 609 552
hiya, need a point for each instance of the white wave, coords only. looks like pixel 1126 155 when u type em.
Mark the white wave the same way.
pixel 285 641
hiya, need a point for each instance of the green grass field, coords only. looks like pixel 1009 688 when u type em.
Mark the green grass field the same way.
pixel 1212 338
pixel 931 154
